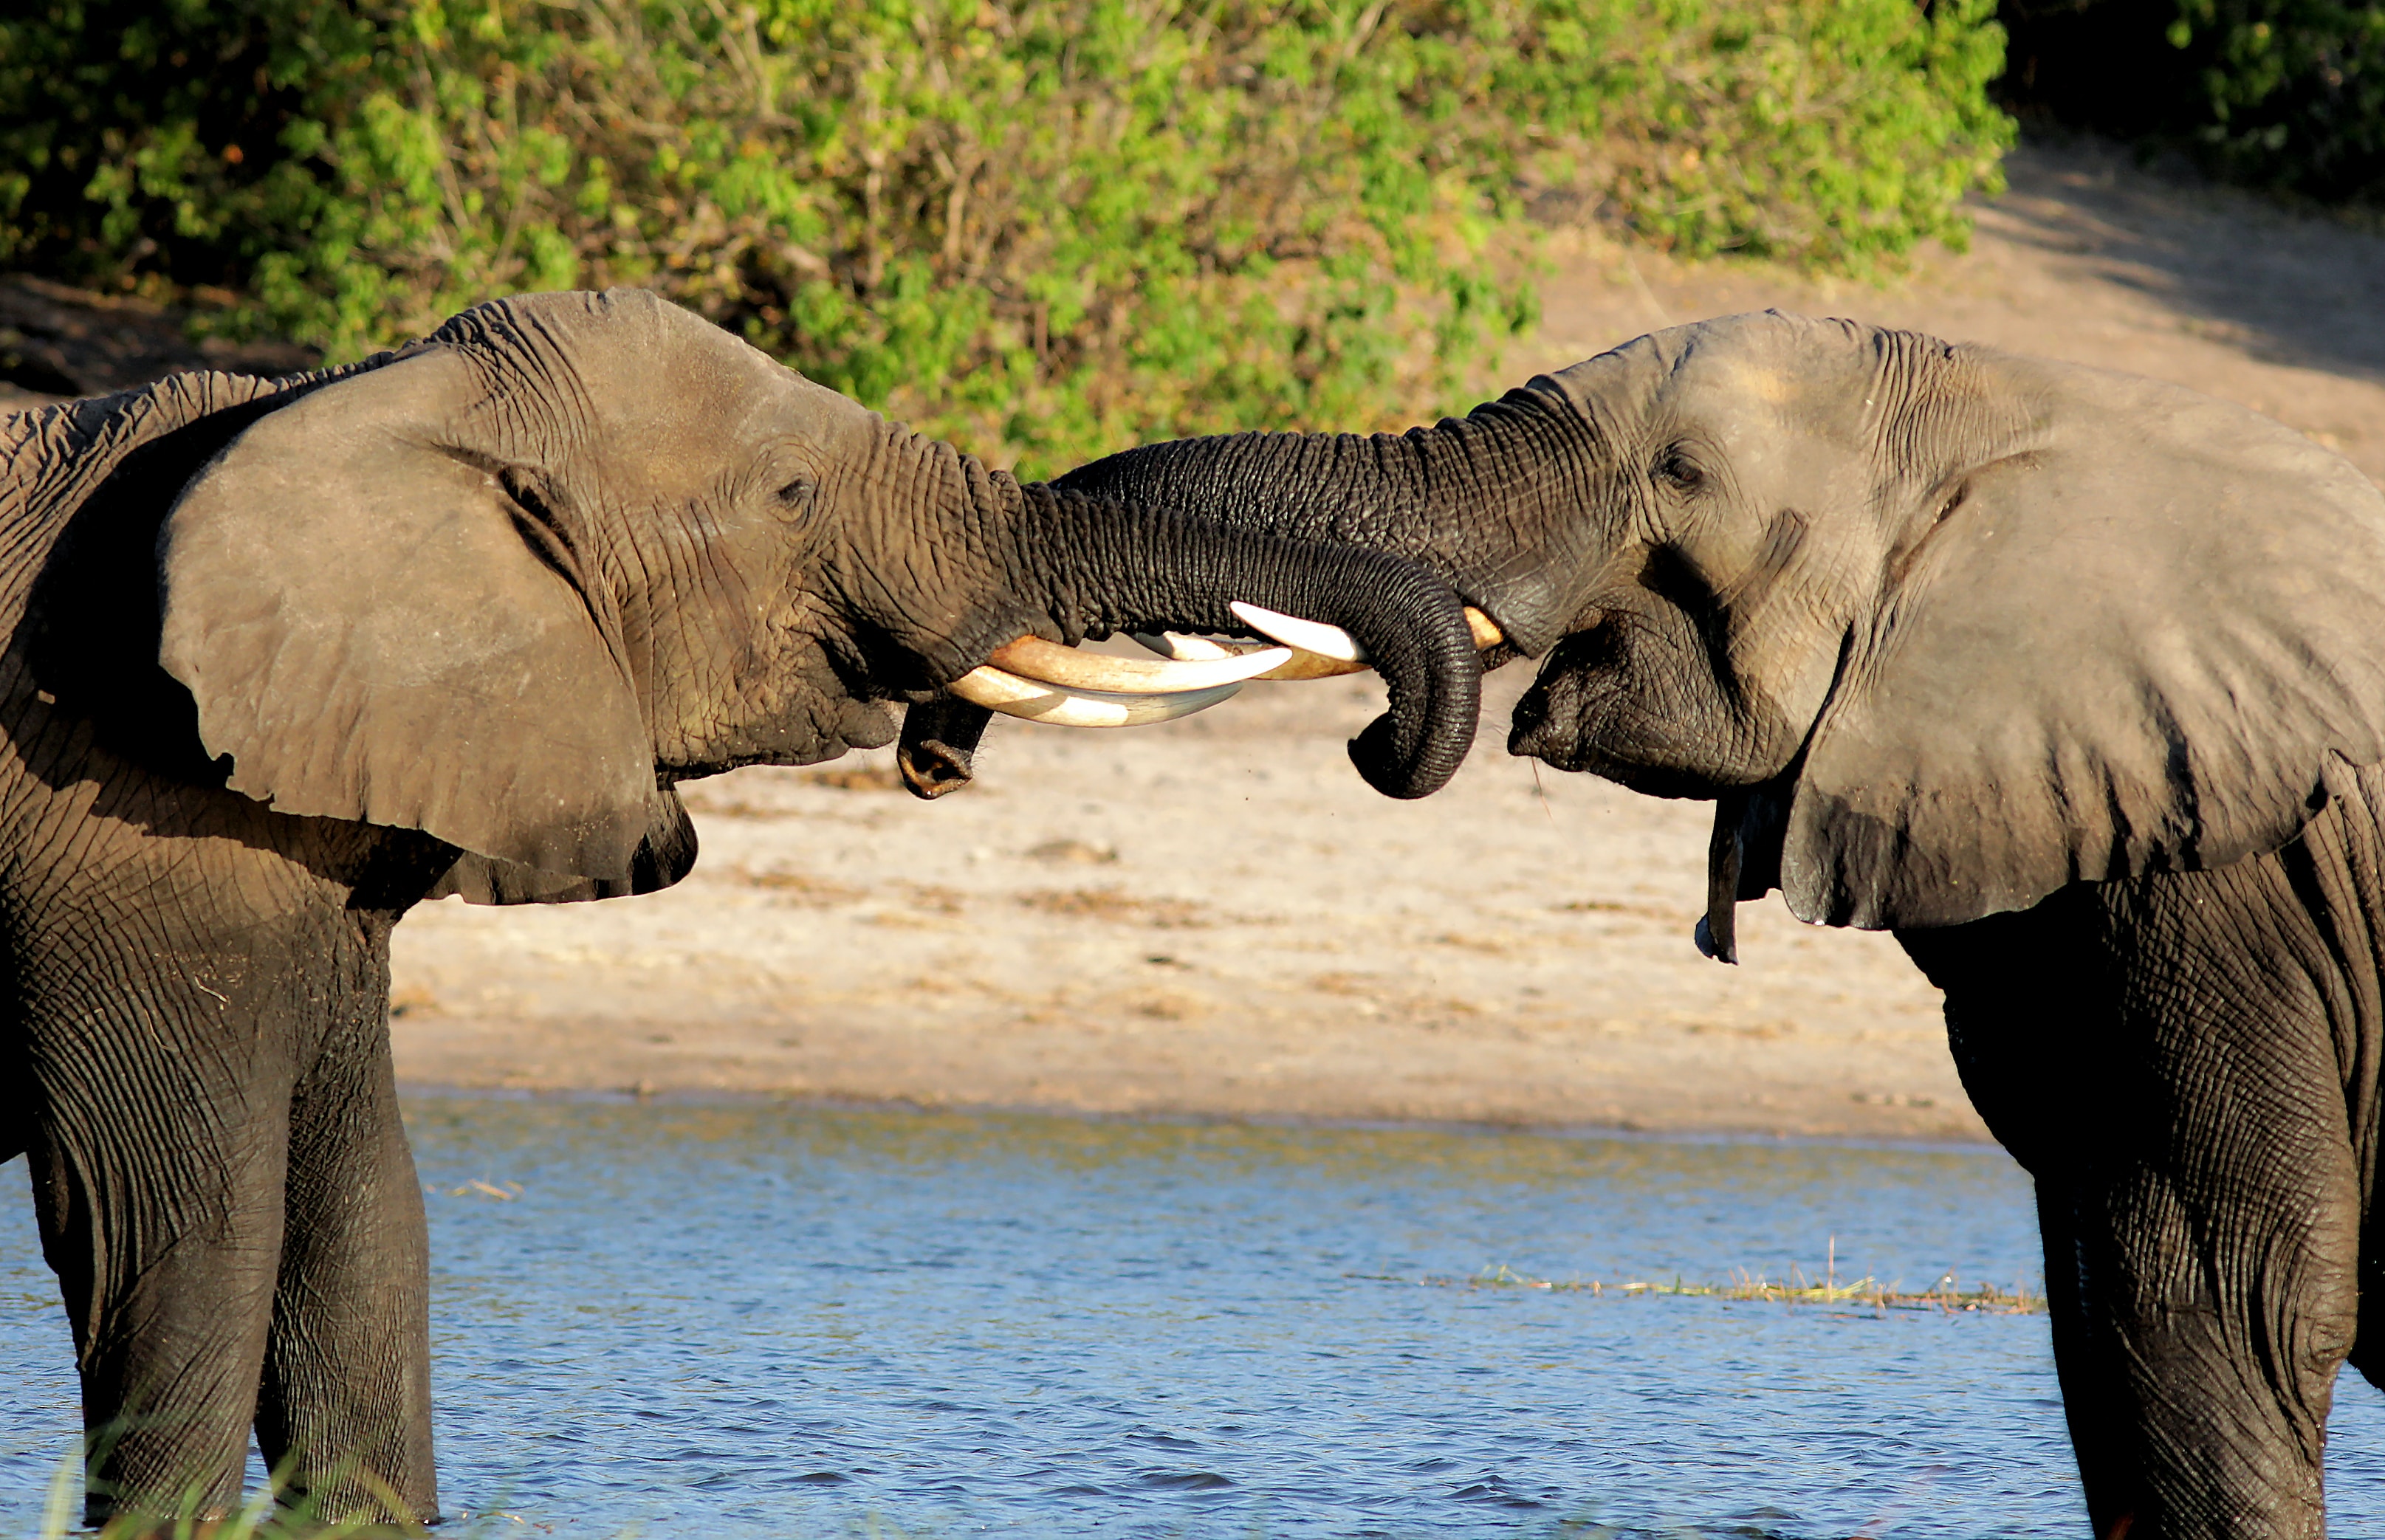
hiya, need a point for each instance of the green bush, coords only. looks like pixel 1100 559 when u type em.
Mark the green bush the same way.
pixel 2293 92
pixel 2288 94
pixel 1047 227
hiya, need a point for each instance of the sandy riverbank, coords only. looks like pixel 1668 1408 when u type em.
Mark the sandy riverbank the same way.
pixel 1216 917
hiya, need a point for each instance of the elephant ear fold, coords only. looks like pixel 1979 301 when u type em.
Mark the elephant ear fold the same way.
pixel 2137 653
pixel 665 855
pixel 351 598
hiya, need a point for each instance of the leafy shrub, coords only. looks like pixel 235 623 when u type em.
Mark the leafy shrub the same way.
pixel 1048 227
pixel 2296 91
pixel 2281 94
pixel 1836 135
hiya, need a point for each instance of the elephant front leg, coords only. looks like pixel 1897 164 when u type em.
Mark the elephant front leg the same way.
pixel 2201 1309
pixel 343 1414
pixel 159 1194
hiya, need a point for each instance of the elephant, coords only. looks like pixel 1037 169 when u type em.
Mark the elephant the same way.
pixel 2074 682
pixel 286 657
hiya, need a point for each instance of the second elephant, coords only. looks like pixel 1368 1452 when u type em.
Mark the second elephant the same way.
pixel 2073 680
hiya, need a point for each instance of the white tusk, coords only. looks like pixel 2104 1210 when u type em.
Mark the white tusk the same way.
pixel 1313 665
pixel 1307 636
pixel 1333 641
pixel 1183 647
pixel 1302 665
pixel 1048 663
pixel 1007 694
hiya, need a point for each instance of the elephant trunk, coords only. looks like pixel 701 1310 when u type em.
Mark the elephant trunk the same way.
pixel 981 561
pixel 1489 502
pixel 1102 567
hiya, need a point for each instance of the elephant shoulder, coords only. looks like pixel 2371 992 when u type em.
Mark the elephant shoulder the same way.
pixel 84 487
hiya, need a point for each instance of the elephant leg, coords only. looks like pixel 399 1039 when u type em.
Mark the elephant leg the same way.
pixel 2162 1058
pixel 2099 1419
pixel 158 1185
pixel 343 1413
pixel 2214 1296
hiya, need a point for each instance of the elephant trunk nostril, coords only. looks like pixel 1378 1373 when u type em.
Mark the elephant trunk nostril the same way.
pixel 931 769
pixel 939 748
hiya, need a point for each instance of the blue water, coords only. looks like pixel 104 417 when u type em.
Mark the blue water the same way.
pixel 735 1320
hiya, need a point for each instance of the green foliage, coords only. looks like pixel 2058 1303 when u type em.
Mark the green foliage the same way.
pixel 1833 135
pixel 2293 91
pixel 2287 94
pixel 1049 228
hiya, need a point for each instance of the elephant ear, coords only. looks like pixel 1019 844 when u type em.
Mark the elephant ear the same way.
pixel 665 855
pixel 353 599
pixel 2144 642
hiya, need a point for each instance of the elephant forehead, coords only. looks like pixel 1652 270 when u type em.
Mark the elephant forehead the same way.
pixel 1787 366
pixel 1763 359
pixel 663 397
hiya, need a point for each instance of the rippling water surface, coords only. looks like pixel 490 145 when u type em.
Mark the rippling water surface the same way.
pixel 748 1321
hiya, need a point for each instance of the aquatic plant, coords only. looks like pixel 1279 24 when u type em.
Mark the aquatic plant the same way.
pixel 1943 1296
pixel 260 1517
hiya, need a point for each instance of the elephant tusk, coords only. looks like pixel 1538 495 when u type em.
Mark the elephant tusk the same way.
pixel 1322 643
pixel 1184 648
pixel 1306 636
pixel 1487 634
pixel 1301 665
pixel 1048 663
pixel 1007 694
pixel 1313 665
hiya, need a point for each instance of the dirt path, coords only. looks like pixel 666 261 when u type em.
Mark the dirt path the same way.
pixel 1217 917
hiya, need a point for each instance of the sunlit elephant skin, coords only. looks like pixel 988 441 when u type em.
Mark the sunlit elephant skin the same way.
pixel 286 657
pixel 2075 681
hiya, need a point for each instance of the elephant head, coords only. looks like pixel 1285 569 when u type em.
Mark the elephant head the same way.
pixel 510 585
pixel 1940 629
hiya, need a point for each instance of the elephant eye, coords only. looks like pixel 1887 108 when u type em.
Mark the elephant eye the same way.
pixel 797 493
pixel 1675 469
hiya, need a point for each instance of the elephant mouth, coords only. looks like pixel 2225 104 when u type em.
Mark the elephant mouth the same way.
pixel 1043 682
pixel 1552 718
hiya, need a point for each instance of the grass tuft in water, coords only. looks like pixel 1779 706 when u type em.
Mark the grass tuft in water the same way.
pixel 1943 1296
pixel 261 1516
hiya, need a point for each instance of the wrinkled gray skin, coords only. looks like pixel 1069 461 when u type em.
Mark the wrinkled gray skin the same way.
pixel 285 657
pixel 2074 681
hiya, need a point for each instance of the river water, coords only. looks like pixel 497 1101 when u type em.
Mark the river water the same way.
pixel 742 1320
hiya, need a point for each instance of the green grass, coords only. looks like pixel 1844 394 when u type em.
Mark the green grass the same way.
pixel 1869 1293
pixel 260 1516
